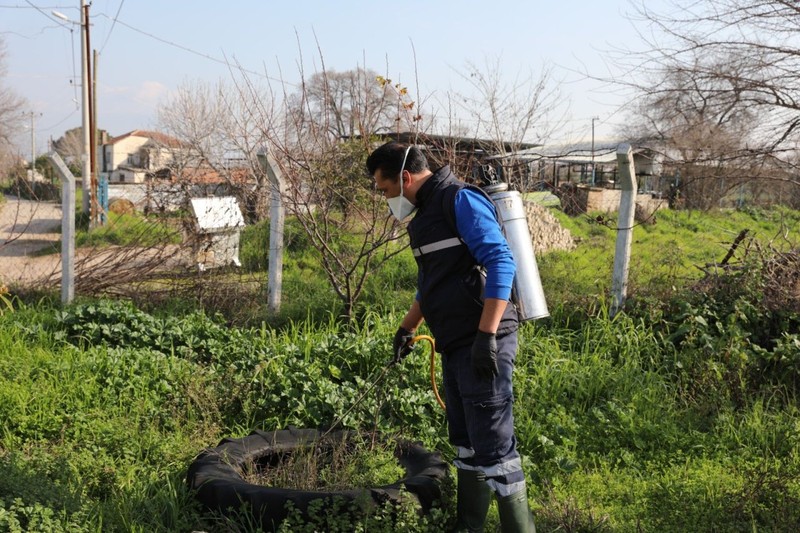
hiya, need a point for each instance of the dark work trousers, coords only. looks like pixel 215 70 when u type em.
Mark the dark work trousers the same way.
pixel 480 419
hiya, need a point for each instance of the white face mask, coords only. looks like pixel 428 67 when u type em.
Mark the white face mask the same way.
pixel 400 206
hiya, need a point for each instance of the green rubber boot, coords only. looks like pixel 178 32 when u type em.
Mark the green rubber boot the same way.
pixel 515 515
pixel 473 497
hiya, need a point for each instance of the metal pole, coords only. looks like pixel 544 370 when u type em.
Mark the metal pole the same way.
pixel 96 209
pixel 85 121
pixel 67 227
pixel 627 210
pixel 32 115
pixel 593 119
pixel 33 149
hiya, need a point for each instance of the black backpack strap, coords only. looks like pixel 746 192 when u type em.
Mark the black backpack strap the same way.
pixel 449 205
pixel 449 209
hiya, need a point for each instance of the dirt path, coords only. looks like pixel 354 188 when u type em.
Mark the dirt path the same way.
pixel 27 227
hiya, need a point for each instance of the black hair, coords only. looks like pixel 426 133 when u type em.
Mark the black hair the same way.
pixel 389 159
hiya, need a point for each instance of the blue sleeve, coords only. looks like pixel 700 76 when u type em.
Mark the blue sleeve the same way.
pixel 480 231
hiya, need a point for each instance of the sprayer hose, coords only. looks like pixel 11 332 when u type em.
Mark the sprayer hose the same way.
pixel 433 366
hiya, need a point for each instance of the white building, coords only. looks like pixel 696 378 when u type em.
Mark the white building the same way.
pixel 132 157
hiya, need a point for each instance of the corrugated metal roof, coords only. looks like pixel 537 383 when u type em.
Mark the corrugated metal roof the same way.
pixel 605 152
pixel 471 144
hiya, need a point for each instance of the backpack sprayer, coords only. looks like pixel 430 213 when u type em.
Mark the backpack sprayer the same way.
pixel 527 291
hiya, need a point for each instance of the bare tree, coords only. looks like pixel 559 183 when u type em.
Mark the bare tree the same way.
pixel 527 109
pixel 11 105
pixel 219 136
pixel 70 147
pixel 703 141
pixel 328 190
pixel 346 103
pixel 319 133
pixel 509 112
pixel 722 87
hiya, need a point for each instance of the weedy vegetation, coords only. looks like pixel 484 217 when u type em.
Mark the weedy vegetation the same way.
pixel 680 414
pixel 329 464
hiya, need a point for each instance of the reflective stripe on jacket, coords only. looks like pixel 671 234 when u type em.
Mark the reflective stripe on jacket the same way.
pixel 450 283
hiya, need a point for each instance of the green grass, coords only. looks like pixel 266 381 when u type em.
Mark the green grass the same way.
pixel 119 230
pixel 98 437
pixel 680 415
pixel 128 230
pixel 544 198
pixel 665 255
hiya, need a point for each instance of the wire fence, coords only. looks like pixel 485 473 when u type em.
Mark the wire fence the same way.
pixel 193 250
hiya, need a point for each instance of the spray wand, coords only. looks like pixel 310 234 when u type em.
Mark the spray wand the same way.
pixel 377 377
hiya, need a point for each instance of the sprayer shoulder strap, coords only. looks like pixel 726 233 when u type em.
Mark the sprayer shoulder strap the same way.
pixel 449 209
pixel 449 206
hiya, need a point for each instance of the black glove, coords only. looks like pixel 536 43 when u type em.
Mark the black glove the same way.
pixel 402 344
pixel 484 355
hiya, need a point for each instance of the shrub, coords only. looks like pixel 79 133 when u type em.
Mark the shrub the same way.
pixel 731 337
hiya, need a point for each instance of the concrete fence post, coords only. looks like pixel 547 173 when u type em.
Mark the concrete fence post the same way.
pixel 67 227
pixel 276 222
pixel 627 210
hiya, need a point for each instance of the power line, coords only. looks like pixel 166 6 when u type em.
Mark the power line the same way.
pixel 112 26
pixel 48 15
pixel 116 20
pixel 31 6
pixel 200 54
pixel 60 122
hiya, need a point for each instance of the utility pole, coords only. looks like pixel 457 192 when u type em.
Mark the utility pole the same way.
pixel 93 136
pixel 86 168
pixel 593 174
pixel 33 115
pixel 86 102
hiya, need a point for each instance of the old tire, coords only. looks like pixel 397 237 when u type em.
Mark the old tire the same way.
pixel 215 477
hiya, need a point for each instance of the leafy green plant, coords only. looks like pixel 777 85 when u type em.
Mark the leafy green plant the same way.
pixel 731 339
pixel 17 516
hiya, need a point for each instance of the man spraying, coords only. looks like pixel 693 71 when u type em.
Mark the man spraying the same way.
pixel 465 275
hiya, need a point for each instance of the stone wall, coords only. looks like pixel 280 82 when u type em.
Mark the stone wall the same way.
pixel 547 233
pixel 585 199
pixel 598 199
pixel 646 207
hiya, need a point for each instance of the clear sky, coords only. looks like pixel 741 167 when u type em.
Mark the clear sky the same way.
pixel 148 48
